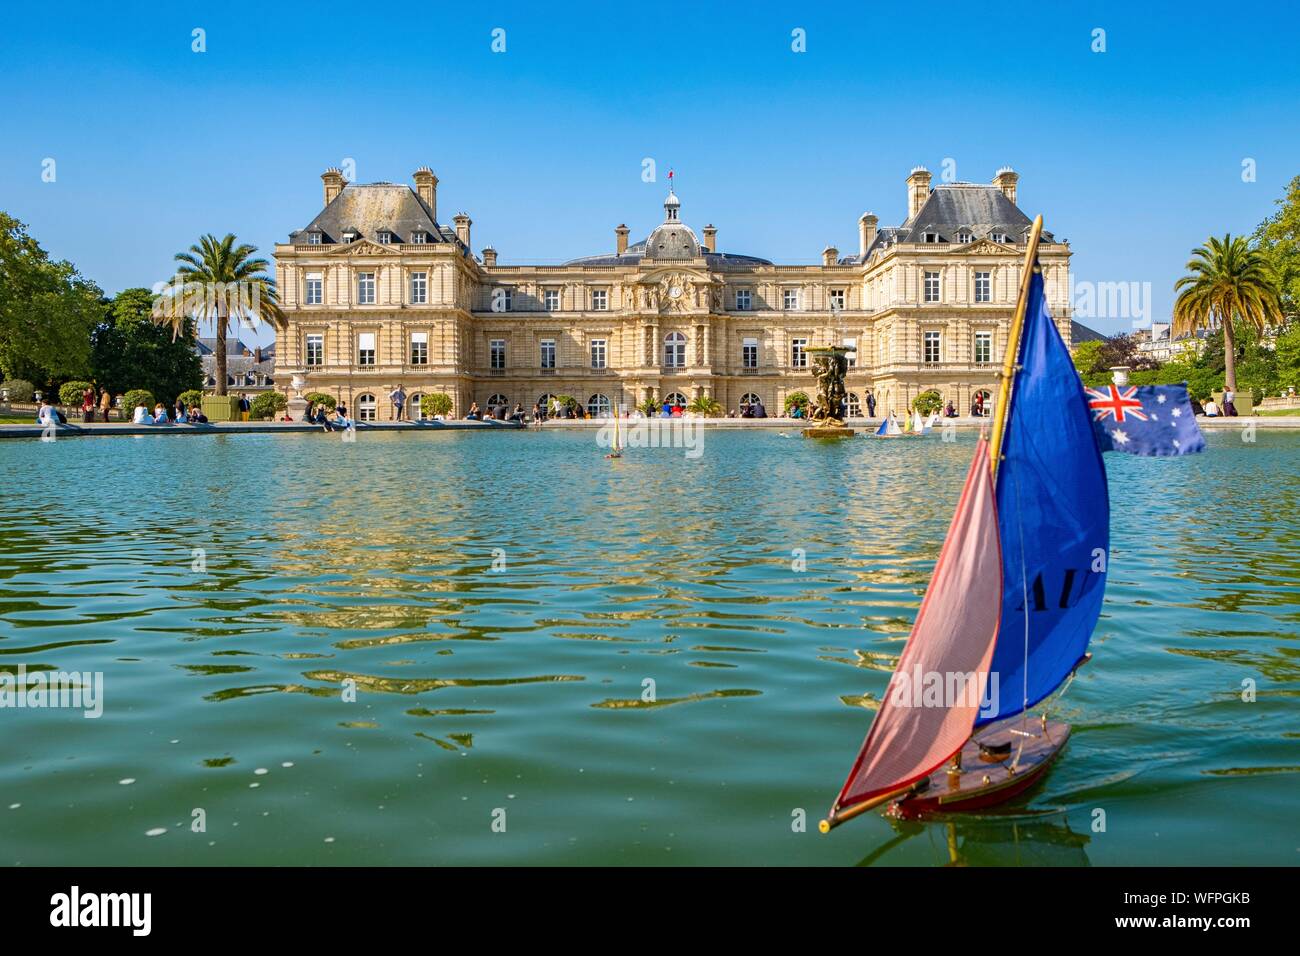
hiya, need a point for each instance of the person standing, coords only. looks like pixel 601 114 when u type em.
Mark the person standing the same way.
pixel 398 398
pixel 871 405
pixel 105 403
pixel 244 407
pixel 88 404
pixel 1229 408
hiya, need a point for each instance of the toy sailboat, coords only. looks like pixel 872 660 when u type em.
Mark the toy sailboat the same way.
pixel 1016 591
pixel 616 447
pixel 888 428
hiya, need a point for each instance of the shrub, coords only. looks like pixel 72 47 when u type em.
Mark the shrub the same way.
pixel 705 405
pixel 321 398
pixel 649 408
pixel 796 400
pixel 928 402
pixel 137 396
pixel 267 405
pixel 20 390
pixel 193 396
pixel 70 392
pixel 435 403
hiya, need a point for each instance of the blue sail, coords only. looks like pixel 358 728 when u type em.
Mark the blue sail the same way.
pixel 1053 520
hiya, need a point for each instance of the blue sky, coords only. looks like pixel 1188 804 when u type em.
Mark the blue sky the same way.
pixel 1133 154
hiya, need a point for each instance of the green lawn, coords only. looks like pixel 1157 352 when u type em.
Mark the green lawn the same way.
pixel 1279 411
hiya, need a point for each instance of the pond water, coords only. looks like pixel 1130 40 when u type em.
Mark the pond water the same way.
pixel 499 715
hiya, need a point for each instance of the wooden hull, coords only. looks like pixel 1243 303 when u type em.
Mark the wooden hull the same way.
pixel 986 779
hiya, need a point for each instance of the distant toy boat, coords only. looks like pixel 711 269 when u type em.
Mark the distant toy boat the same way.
pixel 888 428
pixel 616 448
pixel 1018 586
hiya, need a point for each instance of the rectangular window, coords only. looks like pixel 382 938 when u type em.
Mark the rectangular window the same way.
pixel 599 300
pixel 749 353
pixel 315 291
pixel 983 287
pixel 315 350
pixel 313 238
pixel 597 353
pixel 744 300
pixel 419 288
pixel 932 287
pixel 419 348
pixel 417 238
pixel 365 288
pixel 983 347
pixel 548 353
pixel 551 300
pixel 790 300
pixel 799 353
pixel 852 357
pixel 497 353
pixel 385 238
pixel 931 347
pixel 838 298
pixel 365 348
pixel 964 237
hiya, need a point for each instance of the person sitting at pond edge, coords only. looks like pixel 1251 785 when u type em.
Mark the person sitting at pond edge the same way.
pixel 47 414
pixel 196 416
pixel 1211 408
pixel 758 409
pixel 141 416
pixel 474 414
pixel 160 415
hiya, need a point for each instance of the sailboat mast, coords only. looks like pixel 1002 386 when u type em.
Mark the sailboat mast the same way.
pixel 1013 347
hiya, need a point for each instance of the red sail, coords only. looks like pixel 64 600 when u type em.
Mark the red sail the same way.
pixel 934 697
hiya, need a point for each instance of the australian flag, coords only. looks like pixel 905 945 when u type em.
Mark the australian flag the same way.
pixel 1144 419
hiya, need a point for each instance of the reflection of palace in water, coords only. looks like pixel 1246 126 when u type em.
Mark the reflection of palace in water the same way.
pixel 377 292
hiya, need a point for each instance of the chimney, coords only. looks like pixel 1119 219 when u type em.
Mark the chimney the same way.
pixel 918 190
pixel 620 239
pixel 830 256
pixel 711 238
pixel 426 187
pixel 1006 180
pixel 334 183
pixel 463 222
pixel 866 233
pixel 489 256
pixel 258 355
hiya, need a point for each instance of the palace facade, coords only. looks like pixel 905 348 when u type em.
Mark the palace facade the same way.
pixel 376 291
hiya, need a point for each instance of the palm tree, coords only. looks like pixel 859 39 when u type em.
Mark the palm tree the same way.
pixel 220 280
pixel 1229 281
pixel 705 405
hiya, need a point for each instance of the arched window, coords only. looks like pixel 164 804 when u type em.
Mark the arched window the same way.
pixel 855 405
pixel 749 398
pixel 674 350
pixel 598 406
pixel 367 408
pixel 413 403
pixel 676 398
pixel 982 402
pixel 498 401
pixel 544 403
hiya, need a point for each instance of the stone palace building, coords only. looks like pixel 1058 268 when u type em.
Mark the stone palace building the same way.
pixel 376 290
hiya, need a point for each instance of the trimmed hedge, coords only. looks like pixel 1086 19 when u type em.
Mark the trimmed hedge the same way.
pixel 137 396
pixel 321 398
pixel 70 392
pixel 193 396
pixel 267 405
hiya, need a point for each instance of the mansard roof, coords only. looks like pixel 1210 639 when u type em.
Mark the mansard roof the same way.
pixel 955 208
pixel 373 208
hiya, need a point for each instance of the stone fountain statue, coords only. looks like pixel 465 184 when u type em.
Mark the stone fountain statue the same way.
pixel 830 365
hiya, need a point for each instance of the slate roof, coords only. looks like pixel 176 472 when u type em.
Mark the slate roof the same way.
pixel 1081 333
pixel 955 208
pixel 373 208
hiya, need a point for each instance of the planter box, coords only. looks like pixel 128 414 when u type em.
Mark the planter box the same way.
pixel 221 408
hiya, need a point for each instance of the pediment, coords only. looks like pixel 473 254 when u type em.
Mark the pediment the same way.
pixel 363 247
pixel 983 247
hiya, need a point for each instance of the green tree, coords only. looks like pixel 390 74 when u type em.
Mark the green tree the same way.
pixel 436 403
pixel 1228 282
pixel 796 400
pixel 47 310
pixel 928 402
pixel 1278 238
pixel 267 405
pixel 220 281
pixel 128 350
